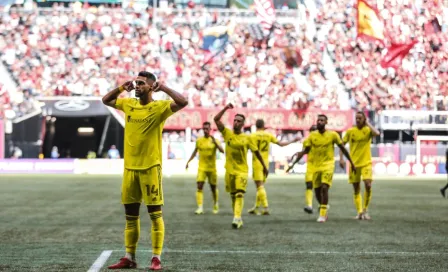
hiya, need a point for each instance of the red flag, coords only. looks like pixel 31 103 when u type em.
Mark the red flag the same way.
pixel 265 13
pixel 395 55
pixel 369 24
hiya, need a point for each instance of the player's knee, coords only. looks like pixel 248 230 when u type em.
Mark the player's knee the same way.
pixel 368 185
pixel 325 187
pixel 132 209
pixel 356 188
pixel 212 187
pixel 258 183
pixel 309 185
pixel 154 208
pixel 200 185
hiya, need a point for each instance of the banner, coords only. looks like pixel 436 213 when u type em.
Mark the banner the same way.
pixel 413 119
pixel 407 169
pixel 36 166
pixel 369 24
pixel 273 118
pixel 74 107
pixel 395 55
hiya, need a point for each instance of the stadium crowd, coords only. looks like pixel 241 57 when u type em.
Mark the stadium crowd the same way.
pixel 88 51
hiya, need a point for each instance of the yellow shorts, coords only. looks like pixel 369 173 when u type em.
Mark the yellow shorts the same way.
pixel 212 177
pixel 323 177
pixel 364 172
pixel 257 174
pixel 142 184
pixel 309 175
pixel 235 182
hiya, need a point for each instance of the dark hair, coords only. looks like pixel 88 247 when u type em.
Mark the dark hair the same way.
pixel 313 128
pixel 362 113
pixel 323 115
pixel 259 123
pixel 148 75
pixel 241 115
pixel 206 124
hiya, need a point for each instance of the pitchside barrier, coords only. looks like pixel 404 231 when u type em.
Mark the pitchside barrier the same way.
pixel 177 167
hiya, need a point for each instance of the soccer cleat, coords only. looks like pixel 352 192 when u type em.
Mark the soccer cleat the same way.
pixel 366 216
pixel 308 210
pixel 358 216
pixel 199 211
pixel 237 223
pixel 254 211
pixel 216 209
pixel 442 192
pixel 124 263
pixel 322 219
pixel 265 211
pixel 156 264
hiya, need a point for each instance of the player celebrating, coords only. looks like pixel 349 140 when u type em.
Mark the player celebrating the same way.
pixel 443 190
pixel 308 176
pixel 262 139
pixel 359 138
pixel 237 146
pixel 207 147
pixel 322 142
pixel 142 178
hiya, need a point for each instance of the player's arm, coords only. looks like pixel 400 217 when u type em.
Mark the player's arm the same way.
pixel 195 151
pixel 345 140
pixel 285 143
pixel 218 117
pixel 375 131
pixel 299 155
pixel 347 155
pixel 217 145
pixel 179 102
pixel 265 169
pixel 446 160
pixel 110 99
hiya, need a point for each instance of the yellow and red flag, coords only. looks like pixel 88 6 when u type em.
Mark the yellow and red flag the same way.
pixel 369 23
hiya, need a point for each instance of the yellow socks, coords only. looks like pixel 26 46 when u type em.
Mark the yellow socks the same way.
pixel 309 197
pixel 199 197
pixel 357 199
pixel 157 232
pixel 131 233
pixel 262 196
pixel 323 210
pixel 367 198
pixel 239 204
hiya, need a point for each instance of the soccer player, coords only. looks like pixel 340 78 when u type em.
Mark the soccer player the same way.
pixel 443 190
pixel 237 146
pixel 308 176
pixel 207 147
pixel 359 138
pixel 142 178
pixel 322 143
pixel 262 139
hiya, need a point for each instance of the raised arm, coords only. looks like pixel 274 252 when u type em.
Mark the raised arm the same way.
pixel 299 157
pixel 285 143
pixel 195 151
pixel 110 98
pixel 375 132
pixel 218 117
pixel 265 169
pixel 217 145
pixel 179 102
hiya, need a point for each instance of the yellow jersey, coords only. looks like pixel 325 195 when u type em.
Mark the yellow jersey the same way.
pixel 237 146
pixel 262 140
pixel 207 153
pixel 323 149
pixel 309 156
pixel 359 141
pixel 143 131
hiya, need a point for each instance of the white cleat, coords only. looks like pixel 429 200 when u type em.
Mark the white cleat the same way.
pixel 366 216
pixel 322 219
pixel 358 216
pixel 199 211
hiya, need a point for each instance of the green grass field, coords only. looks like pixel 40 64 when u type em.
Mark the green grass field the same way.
pixel 64 223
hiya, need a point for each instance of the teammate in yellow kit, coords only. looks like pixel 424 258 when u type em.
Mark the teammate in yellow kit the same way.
pixel 142 179
pixel 237 146
pixel 322 142
pixel 263 140
pixel 207 147
pixel 308 176
pixel 359 138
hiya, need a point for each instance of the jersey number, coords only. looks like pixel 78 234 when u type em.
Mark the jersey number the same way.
pixel 152 191
pixel 262 145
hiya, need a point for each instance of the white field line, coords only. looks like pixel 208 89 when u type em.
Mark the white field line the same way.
pixel 409 253
pixel 102 259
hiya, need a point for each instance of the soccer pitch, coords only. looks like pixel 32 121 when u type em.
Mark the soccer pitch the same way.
pixel 69 222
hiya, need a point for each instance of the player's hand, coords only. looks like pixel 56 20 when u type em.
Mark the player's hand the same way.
pixel 353 168
pixel 229 106
pixel 156 86
pixel 265 172
pixel 128 86
pixel 342 164
pixel 186 166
